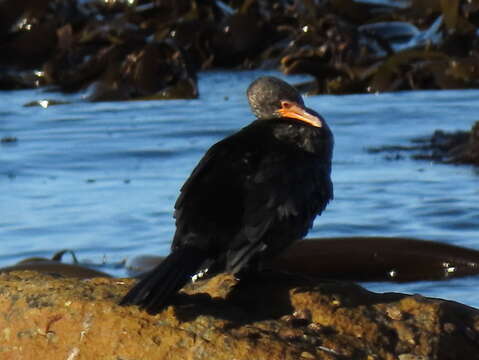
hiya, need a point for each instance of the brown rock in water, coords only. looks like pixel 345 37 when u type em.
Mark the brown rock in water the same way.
pixel 274 316
pixel 367 258
pixel 467 152
pixel 460 147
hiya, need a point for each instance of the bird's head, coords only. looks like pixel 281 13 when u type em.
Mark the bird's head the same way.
pixel 271 98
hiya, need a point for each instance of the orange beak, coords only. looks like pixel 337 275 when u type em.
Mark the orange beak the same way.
pixel 292 110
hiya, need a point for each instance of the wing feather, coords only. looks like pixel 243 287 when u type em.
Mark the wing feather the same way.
pixel 242 196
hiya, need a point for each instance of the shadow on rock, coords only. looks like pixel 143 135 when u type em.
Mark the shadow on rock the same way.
pixel 263 296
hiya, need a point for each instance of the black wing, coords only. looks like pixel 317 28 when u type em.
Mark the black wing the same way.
pixel 209 206
pixel 282 198
pixel 250 194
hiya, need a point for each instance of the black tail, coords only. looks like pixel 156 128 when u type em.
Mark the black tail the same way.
pixel 153 292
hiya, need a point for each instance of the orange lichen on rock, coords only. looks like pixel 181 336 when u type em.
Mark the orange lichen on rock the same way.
pixel 271 316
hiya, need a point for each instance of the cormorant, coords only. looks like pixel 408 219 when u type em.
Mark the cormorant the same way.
pixel 251 195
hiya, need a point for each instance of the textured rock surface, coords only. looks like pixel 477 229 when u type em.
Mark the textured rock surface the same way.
pixel 272 316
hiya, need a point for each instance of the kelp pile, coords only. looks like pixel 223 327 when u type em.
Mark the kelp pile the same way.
pixel 146 49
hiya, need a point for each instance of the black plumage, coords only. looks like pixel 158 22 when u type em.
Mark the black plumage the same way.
pixel 250 197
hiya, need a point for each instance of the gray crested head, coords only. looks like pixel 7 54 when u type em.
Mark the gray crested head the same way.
pixel 266 93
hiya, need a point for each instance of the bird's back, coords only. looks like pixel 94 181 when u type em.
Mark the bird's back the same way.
pixel 254 192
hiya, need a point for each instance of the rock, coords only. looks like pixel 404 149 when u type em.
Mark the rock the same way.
pixel 460 147
pixel 271 316
pixel 367 258
pixel 54 266
pixel 468 151
pixel 8 140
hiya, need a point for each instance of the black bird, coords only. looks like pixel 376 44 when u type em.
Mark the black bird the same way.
pixel 252 195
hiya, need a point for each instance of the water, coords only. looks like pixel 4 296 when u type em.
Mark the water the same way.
pixel 102 178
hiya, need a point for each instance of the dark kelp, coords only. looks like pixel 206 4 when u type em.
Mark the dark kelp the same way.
pixel 122 50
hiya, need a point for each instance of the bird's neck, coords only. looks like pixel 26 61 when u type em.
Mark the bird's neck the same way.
pixel 309 138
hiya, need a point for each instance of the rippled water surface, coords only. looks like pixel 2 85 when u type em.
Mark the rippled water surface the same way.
pixel 102 178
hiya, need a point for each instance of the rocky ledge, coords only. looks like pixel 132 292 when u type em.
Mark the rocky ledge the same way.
pixel 272 316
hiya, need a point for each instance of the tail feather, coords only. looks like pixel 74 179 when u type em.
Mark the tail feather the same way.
pixel 154 291
pixel 238 259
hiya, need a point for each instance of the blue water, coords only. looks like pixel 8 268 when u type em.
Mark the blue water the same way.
pixel 102 178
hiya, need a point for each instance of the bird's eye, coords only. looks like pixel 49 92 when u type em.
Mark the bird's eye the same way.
pixel 285 104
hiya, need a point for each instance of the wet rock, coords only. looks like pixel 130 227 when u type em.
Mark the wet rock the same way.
pixel 155 71
pixel 411 64
pixel 56 267
pixel 393 36
pixel 457 148
pixel 107 44
pixel 45 103
pixel 367 259
pixel 224 319
pixel 25 79
pixel 8 140
pixel 157 68
pixel 461 147
pixel 241 38
pixel 407 48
